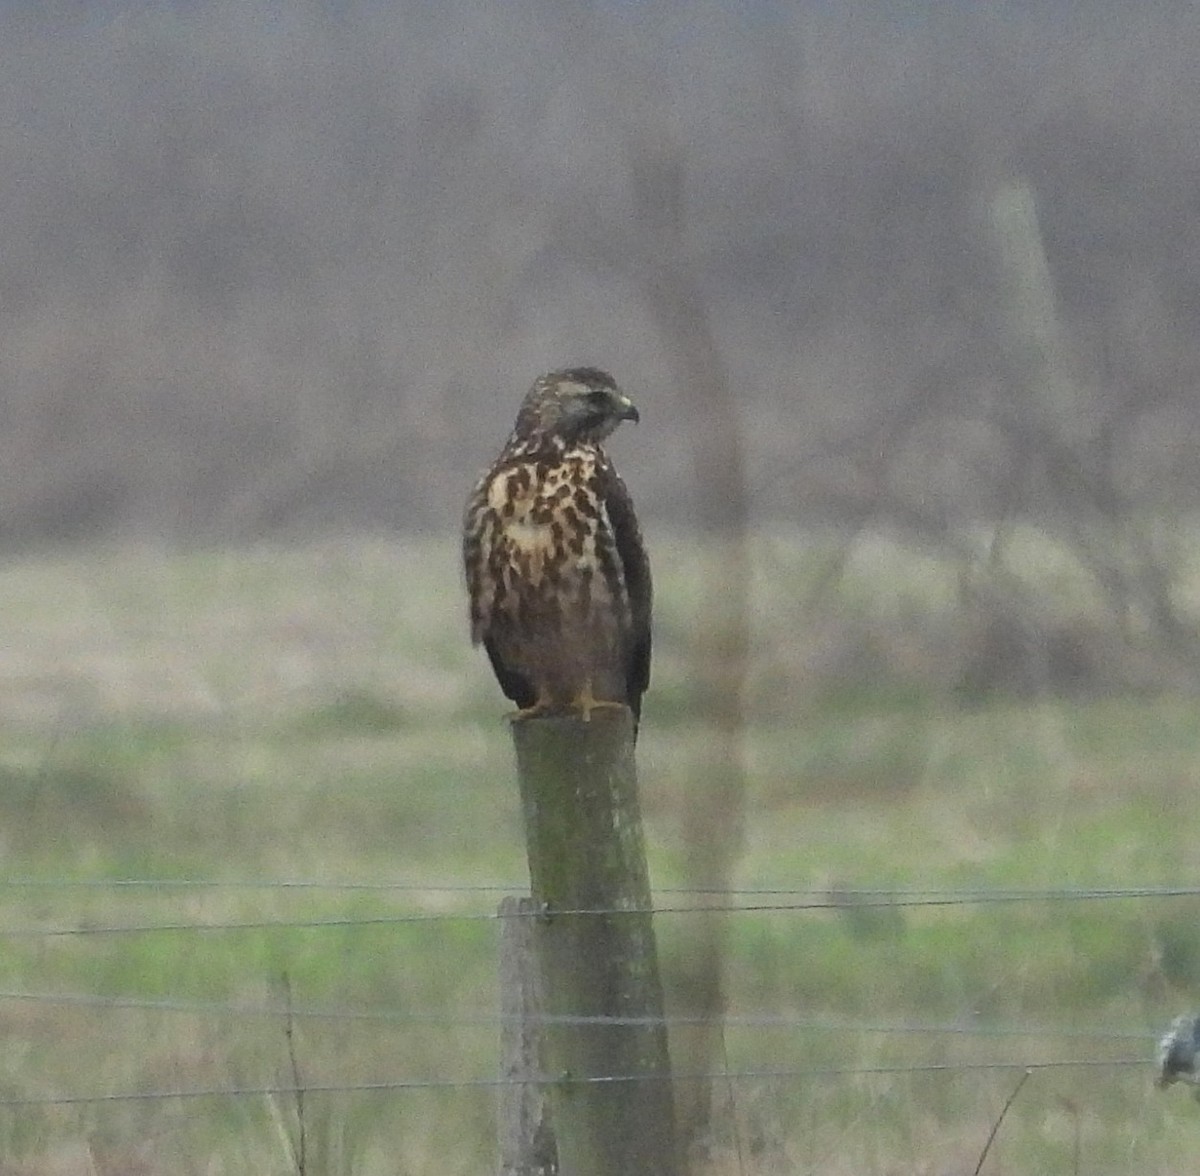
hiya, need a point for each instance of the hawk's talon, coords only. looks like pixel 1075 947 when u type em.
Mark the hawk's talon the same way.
pixel 586 702
pixel 583 704
pixel 538 710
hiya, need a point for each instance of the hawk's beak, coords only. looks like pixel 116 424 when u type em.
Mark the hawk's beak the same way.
pixel 627 410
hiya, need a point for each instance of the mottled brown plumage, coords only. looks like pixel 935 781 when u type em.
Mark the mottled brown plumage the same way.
pixel 557 575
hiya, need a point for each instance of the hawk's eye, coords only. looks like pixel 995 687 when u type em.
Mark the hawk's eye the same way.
pixel 598 398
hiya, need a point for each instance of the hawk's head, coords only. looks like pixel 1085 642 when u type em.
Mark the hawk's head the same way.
pixel 577 404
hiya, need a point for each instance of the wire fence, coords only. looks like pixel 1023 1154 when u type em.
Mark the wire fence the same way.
pixel 728 901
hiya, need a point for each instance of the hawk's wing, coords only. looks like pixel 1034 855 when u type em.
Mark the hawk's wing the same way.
pixel 636 569
pixel 479 526
pixel 515 686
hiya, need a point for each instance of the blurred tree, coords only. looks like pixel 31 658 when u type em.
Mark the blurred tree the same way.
pixel 640 237
pixel 712 819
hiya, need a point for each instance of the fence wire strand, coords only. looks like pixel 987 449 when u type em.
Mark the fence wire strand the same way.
pixel 495 1019
pixel 835 899
pixel 806 897
pixel 460 1084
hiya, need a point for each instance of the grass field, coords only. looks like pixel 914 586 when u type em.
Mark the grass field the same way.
pixel 316 714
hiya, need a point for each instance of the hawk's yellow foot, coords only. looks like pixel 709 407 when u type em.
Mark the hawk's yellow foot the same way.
pixel 543 706
pixel 586 702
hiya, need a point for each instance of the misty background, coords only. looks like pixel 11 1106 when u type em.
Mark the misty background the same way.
pixel 908 297
pixel 282 266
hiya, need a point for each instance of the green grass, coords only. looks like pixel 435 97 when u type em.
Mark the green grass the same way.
pixel 317 714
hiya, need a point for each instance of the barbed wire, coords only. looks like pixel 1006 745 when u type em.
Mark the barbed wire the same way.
pixel 487 1018
pixel 459 1084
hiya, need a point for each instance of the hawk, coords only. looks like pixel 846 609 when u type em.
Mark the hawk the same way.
pixel 557 575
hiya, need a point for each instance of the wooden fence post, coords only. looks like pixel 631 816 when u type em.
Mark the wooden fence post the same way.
pixel 527 1144
pixel 583 834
